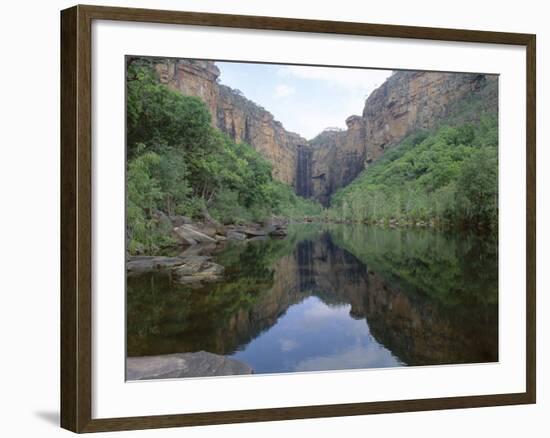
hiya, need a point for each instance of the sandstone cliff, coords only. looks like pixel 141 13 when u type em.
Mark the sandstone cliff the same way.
pixel 412 101
pixel 337 157
pixel 234 114
pixel 406 102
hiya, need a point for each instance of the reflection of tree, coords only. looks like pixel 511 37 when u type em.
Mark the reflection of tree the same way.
pixel 451 269
pixel 446 323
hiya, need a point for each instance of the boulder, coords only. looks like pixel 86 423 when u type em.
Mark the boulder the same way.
pixel 197 269
pixel 152 263
pixel 191 265
pixel 209 230
pixel 235 235
pixel 188 234
pixel 179 365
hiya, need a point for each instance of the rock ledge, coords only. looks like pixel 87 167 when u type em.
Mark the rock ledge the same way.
pixel 179 365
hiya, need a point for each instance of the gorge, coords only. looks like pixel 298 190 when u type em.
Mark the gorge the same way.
pixel 407 102
pixel 251 249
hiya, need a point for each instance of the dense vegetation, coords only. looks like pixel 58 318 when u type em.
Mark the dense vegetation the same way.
pixel 177 163
pixel 448 177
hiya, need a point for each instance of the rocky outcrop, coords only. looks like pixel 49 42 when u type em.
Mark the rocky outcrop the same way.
pixel 234 114
pixel 139 264
pixel 410 101
pixel 184 269
pixel 179 365
pixel 197 269
pixel 244 121
pixel 405 103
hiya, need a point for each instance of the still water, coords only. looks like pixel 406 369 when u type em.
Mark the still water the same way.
pixel 330 297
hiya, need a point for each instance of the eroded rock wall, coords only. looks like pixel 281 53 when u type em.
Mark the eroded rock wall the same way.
pixel 406 102
pixel 337 157
pixel 412 101
pixel 234 114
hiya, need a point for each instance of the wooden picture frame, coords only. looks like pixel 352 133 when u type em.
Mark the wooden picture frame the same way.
pixel 76 217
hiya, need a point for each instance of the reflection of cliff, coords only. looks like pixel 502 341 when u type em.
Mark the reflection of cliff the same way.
pixel 415 329
pixel 223 318
pixel 247 323
pixel 420 332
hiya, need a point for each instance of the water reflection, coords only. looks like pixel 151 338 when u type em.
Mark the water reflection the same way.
pixel 326 298
pixel 315 336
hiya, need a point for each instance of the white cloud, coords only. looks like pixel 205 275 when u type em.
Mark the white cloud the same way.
pixel 288 344
pixel 356 357
pixel 349 78
pixel 283 90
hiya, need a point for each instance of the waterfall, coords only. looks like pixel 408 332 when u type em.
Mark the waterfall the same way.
pixel 303 172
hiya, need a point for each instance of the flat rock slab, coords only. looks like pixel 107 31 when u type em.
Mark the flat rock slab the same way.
pixel 190 235
pixel 152 263
pixel 178 365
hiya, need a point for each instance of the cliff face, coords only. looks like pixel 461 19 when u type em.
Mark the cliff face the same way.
pixel 405 103
pixel 234 114
pixel 244 121
pixel 337 157
pixel 411 101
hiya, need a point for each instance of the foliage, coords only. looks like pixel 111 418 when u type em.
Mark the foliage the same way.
pixel 179 164
pixel 451 268
pixel 448 177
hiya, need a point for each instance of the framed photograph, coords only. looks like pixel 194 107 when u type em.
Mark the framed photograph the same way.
pixel 270 218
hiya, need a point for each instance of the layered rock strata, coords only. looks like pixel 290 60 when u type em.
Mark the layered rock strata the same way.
pixel 234 114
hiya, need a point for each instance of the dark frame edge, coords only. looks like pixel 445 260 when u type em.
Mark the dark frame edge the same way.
pixel 69 330
pixel 531 217
pixel 75 220
pixel 76 230
pixel 304 412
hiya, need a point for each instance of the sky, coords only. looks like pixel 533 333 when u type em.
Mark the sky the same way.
pixel 305 99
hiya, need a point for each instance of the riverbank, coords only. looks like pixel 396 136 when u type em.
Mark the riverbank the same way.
pixel 189 259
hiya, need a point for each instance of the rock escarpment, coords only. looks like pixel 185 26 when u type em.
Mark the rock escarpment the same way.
pixel 337 157
pixel 410 101
pixel 234 114
pixel 406 102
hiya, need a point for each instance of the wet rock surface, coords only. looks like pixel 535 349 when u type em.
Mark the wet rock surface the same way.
pixel 178 365
pixel 198 269
pixel 197 243
pixel 152 263
pixel 188 234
